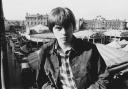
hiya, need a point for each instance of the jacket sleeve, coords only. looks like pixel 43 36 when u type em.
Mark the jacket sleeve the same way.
pixel 42 77
pixel 99 71
pixel 47 86
pixel 36 60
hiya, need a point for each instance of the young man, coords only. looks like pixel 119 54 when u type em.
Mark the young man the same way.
pixel 69 62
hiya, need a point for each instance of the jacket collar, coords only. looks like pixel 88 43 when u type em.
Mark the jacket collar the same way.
pixel 78 45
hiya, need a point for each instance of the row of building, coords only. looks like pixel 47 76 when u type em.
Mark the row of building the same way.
pixel 101 23
pixel 97 23
pixel 32 20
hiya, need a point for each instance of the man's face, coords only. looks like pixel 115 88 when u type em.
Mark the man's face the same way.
pixel 63 35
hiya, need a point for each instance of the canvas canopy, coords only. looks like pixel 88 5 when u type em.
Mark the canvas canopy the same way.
pixel 114 44
pixel 116 33
pixel 85 33
pixel 119 44
pixel 112 56
pixel 44 37
pixel 125 48
pixel 123 42
pixel 124 34
pixel 39 28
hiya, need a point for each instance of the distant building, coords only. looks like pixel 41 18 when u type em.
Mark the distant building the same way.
pixel 14 25
pixel 32 20
pixel 127 24
pixel 101 23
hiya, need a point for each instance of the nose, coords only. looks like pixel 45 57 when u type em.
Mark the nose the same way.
pixel 63 31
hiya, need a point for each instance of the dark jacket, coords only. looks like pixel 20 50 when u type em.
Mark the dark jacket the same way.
pixel 88 67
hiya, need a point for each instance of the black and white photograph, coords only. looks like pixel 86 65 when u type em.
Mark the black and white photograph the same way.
pixel 64 44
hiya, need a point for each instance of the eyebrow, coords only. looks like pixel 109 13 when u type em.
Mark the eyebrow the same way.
pixel 57 26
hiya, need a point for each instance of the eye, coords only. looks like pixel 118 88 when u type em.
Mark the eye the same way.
pixel 58 28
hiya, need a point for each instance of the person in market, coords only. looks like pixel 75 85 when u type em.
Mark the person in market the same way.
pixel 68 62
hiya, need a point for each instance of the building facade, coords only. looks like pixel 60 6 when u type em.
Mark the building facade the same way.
pixel 32 20
pixel 101 23
pixel 14 25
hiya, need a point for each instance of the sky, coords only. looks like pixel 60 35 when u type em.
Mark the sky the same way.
pixel 87 9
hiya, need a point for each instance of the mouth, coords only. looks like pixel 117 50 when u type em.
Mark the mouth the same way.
pixel 64 37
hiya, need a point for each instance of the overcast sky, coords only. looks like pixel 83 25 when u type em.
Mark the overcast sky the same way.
pixel 87 9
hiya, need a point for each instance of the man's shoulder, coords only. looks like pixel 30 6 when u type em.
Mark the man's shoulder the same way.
pixel 48 45
pixel 87 44
pixel 83 41
pixel 81 45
